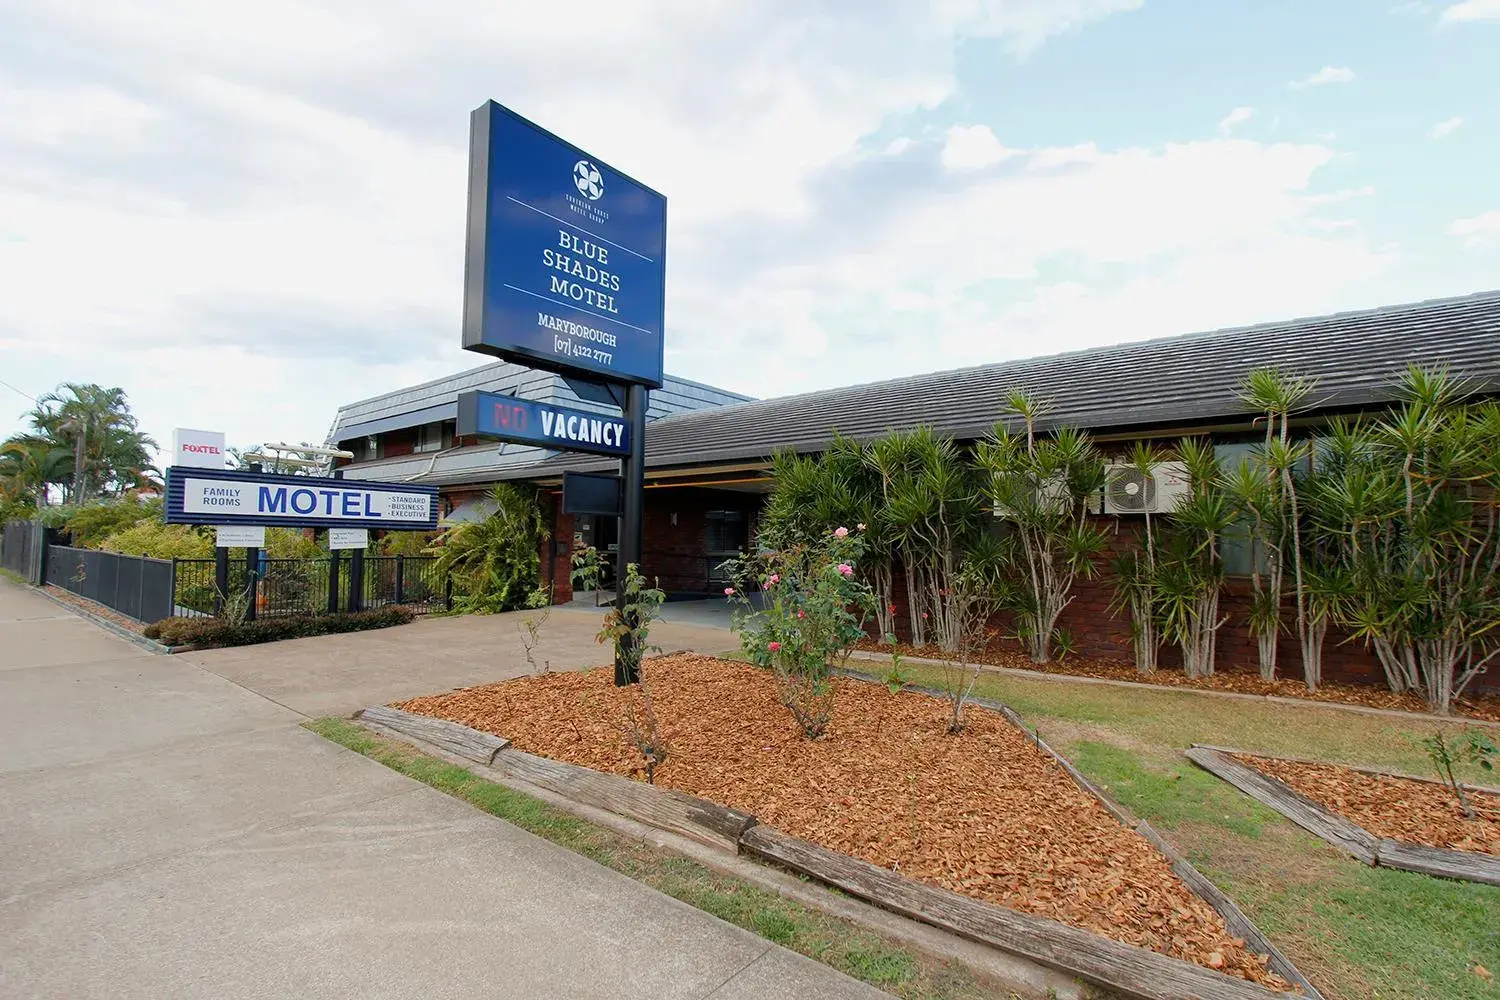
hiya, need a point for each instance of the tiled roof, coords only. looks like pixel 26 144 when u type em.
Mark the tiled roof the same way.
pixel 1167 382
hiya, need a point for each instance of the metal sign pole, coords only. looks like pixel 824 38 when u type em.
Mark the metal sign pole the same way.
pixel 633 479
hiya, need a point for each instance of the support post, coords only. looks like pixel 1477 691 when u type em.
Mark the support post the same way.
pixel 252 582
pixel 221 579
pixel 333 582
pixel 356 579
pixel 400 580
pixel 633 483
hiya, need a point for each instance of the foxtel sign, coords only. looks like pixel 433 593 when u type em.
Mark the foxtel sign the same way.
pixel 232 497
pixel 526 421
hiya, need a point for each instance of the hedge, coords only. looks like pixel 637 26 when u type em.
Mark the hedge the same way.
pixel 213 633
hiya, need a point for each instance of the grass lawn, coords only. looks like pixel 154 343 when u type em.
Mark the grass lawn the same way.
pixel 1357 932
pixel 838 943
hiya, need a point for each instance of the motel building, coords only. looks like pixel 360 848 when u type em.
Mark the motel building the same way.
pixel 707 449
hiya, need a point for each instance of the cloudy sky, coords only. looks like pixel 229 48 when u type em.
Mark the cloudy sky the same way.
pixel 245 214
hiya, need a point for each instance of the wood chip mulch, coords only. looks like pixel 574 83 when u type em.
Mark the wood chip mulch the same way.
pixel 1241 681
pixel 1417 812
pixel 984 813
pixel 107 613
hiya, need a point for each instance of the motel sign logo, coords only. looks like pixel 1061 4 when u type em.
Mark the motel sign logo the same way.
pixel 588 180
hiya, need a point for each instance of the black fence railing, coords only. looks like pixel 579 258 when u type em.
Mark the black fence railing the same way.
pixel 286 587
pixel 132 585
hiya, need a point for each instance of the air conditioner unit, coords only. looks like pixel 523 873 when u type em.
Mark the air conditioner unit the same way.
pixel 1053 495
pixel 1129 491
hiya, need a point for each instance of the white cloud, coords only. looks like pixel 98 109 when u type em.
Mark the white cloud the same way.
pixel 1238 116
pixel 1472 10
pixel 1324 76
pixel 1445 127
pixel 256 220
pixel 1477 230
pixel 973 147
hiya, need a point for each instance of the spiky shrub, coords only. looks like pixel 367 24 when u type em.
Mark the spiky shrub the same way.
pixel 1040 485
pixel 496 563
pixel 812 495
pixel 812 610
pixel 1189 577
pixel 1409 505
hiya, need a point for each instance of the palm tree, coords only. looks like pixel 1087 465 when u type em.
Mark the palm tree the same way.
pixel 495 562
pixel 108 452
pixel 29 463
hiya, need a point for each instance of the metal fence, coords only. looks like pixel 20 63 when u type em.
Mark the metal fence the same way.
pixel 285 587
pixel 132 585
pixel 18 548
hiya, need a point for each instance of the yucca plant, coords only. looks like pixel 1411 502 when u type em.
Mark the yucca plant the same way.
pixel 1411 500
pixel 1135 573
pixel 1040 485
pixel 1265 488
pixel 1190 572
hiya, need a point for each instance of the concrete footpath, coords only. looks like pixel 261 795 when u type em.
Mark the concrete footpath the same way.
pixel 167 832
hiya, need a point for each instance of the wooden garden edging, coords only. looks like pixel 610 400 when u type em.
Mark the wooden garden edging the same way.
pixel 1121 968
pixel 1124 969
pixel 697 819
pixel 1469 866
pixel 471 744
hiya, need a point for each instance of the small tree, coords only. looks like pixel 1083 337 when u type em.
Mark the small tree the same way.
pixel 643 728
pixel 629 626
pixel 1474 746
pixel 971 605
pixel 1041 486
pixel 815 607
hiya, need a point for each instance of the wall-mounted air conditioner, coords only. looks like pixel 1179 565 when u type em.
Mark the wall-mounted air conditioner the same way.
pixel 1129 491
pixel 1052 494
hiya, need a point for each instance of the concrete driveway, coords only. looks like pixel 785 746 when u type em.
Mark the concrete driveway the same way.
pixel 340 674
pixel 165 833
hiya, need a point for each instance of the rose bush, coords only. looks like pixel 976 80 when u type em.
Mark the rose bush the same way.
pixel 811 612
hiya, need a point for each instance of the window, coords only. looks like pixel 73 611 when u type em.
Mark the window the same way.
pixel 726 530
pixel 371 449
pixel 429 437
pixel 1238 546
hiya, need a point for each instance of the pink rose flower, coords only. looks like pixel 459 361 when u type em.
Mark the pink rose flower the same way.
pixel 802 614
pixel 728 591
pixel 841 532
pixel 774 579
pixel 773 646
pixel 845 569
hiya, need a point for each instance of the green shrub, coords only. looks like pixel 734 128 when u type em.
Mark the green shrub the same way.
pixel 496 563
pixel 213 633
pixel 150 537
pixel 90 526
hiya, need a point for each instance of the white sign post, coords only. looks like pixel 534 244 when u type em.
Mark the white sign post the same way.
pixel 240 536
pixel 348 538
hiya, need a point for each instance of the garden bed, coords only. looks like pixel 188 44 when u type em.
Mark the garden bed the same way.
pixel 1239 681
pixel 987 813
pixel 1406 809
